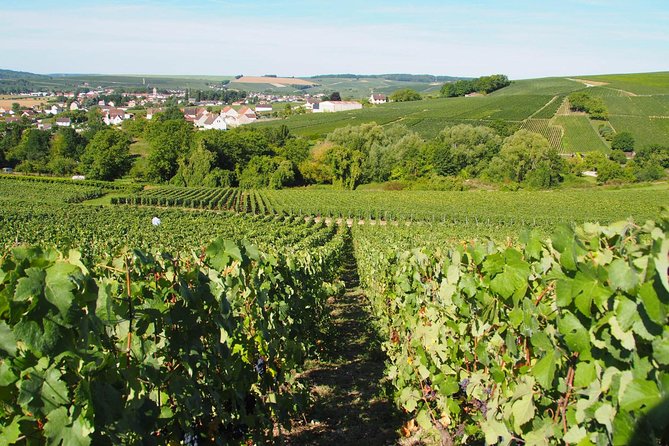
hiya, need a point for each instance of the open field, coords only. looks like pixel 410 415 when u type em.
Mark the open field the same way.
pixel 643 116
pixel 271 80
pixel 7 101
pixel 427 117
pixel 639 83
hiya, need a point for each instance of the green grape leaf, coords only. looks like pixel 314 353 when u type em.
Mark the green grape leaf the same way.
pixel 639 393
pixel 585 374
pixel 54 391
pixel 31 285
pixel 661 348
pixel 523 411
pixel 10 433
pixel 622 276
pixel 575 434
pixel 7 376
pixel 626 338
pixel 60 429
pixel 575 335
pixel 544 370
pixel 495 432
pixel 7 339
pixel 513 278
pixel 605 415
pixel 586 289
pixel 59 285
pixel 655 309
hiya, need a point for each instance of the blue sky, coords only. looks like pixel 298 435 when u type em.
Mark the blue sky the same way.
pixel 520 38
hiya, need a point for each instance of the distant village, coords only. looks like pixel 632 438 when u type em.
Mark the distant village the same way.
pixel 60 108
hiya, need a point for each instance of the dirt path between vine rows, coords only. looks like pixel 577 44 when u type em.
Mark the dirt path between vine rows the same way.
pixel 349 405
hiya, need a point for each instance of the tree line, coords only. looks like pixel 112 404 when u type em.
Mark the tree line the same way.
pixel 349 156
pixel 483 84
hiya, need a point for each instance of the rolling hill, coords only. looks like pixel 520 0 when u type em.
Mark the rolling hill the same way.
pixel 638 103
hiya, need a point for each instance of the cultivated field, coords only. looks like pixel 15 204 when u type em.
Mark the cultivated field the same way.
pixel 645 116
pixel 271 80
pixel 7 101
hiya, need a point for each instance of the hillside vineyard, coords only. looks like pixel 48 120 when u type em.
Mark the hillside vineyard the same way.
pixel 497 325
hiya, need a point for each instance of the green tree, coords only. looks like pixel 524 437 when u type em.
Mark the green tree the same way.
pixel 283 176
pixel 527 156
pixel 405 95
pixel 623 141
pixel 409 159
pixel 654 153
pixel 107 155
pixel 16 107
pixel 235 148
pixel 10 137
pixel 335 96
pixel 197 170
pixel 618 156
pixel 170 141
pixel 346 166
pixel 267 172
pixel 171 113
pixel 32 152
pixel 464 147
pixel 295 150
pixel 67 143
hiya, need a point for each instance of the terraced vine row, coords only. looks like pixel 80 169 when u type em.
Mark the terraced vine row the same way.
pixel 201 198
pixel 545 209
pixel 552 133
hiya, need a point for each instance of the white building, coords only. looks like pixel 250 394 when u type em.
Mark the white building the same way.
pixel 63 122
pixel 229 112
pixel 378 98
pixel 337 106
pixel 215 122
pixel 263 108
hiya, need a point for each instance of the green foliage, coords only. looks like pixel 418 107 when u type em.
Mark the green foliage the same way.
pixel 145 349
pixel 346 166
pixel 405 95
pixel 553 341
pixel 235 148
pixel 197 170
pixel 527 156
pixel 618 156
pixel 593 105
pixel 623 141
pixel 67 143
pixel 107 155
pixel 606 132
pixel 294 149
pixel 267 172
pixel 170 141
pixel 32 151
pixel 484 84
pixel 464 147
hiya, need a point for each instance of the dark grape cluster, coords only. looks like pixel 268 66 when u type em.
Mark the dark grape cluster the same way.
pixel 463 384
pixel 260 366
pixel 190 439
pixel 480 405
pixel 428 392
